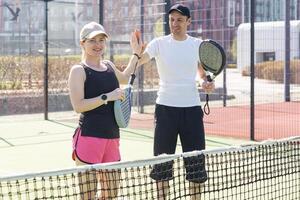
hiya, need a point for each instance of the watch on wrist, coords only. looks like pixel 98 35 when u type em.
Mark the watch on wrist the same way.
pixel 104 98
pixel 137 55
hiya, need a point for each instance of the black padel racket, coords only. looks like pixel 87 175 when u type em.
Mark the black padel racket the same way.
pixel 212 57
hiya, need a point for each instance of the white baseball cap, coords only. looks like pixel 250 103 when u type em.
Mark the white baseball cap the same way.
pixel 92 29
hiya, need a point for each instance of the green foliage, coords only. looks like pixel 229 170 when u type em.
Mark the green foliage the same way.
pixel 121 60
pixel 159 27
pixel 274 70
pixel 10 73
pixel 233 49
pixel 25 71
pixel 231 66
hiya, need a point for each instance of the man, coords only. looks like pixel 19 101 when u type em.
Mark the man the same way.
pixel 178 109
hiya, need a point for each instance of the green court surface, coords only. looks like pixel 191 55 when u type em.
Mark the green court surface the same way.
pixel 30 144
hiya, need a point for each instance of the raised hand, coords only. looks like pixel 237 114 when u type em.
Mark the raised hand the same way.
pixel 136 42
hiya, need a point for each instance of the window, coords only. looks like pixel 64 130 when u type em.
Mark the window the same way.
pixel 125 11
pixel 268 56
pixel 268 11
pixel 246 11
pixel 109 5
pixel 89 13
pixel 231 13
pixel 294 9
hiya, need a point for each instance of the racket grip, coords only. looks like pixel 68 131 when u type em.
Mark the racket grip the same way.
pixel 208 78
pixel 131 80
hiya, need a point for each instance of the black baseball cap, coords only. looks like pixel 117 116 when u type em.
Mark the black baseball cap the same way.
pixel 185 11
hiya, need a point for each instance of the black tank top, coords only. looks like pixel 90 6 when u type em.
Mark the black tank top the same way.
pixel 99 122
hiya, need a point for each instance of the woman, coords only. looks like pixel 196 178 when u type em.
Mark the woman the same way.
pixel 94 86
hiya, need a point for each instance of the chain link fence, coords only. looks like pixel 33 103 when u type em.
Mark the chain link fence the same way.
pixel 23 53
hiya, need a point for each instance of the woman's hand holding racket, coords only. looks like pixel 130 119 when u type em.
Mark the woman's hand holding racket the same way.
pixel 117 94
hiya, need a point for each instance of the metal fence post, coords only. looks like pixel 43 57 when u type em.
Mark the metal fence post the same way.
pixel 287 70
pixel 224 71
pixel 46 63
pixel 252 71
pixel 140 94
pixel 101 12
pixel 166 17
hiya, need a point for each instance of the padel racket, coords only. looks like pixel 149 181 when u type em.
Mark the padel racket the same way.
pixel 212 57
pixel 122 109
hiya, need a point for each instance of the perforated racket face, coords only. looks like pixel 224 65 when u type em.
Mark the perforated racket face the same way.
pixel 122 109
pixel 212 56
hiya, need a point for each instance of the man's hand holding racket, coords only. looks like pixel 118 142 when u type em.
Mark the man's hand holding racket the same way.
pixel 208 86
pixel 212 57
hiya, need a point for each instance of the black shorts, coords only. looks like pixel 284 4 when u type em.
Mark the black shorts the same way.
pixel 187 122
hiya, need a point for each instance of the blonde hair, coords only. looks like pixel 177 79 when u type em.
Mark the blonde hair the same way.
pixel 83 54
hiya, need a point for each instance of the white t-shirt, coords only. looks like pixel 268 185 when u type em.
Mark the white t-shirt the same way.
pixel 177 65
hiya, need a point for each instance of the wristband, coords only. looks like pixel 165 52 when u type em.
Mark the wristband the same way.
pixel 135 54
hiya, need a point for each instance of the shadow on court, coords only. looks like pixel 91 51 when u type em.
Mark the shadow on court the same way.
pixel 30 144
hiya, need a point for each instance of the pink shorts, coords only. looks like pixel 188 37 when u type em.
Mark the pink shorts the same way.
pixel 92 150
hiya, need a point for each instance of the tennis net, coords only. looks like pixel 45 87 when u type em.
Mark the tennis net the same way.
pixel 269 170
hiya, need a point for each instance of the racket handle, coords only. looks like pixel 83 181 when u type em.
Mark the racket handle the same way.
pixel 131 80
pixel 206 106
pixel 208 78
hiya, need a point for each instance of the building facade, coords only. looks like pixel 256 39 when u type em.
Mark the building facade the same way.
pixel 215 19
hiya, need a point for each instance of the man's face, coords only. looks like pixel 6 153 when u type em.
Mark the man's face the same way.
pixel 178 23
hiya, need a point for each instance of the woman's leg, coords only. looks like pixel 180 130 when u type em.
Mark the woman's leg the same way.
pixel 87 183
pixel 163 189
pixel 195 190
pixel 110 181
